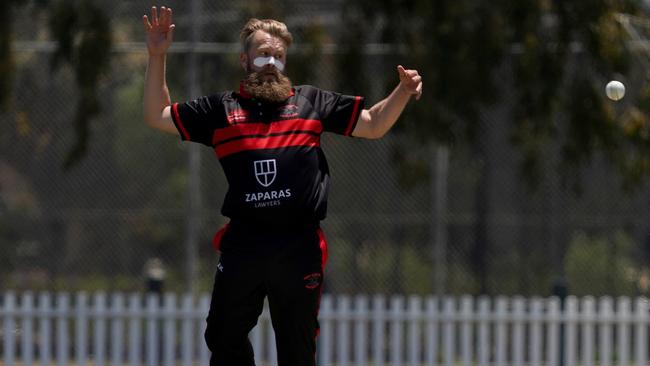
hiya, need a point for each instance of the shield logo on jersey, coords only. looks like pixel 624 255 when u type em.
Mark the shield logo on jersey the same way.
pixel 265 171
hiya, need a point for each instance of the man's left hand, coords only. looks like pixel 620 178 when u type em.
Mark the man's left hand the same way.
pixel 410 81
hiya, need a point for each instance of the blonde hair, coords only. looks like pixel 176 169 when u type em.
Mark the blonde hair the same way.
pixel 270 26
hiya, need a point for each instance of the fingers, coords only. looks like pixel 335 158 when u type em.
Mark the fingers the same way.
pixel 165 16
pixel 405 74
pixel 401 71
pixel 411 80
pixel 170 34
pixel 411 73
pixel 154 16
pixel 164 19
pixel 147 25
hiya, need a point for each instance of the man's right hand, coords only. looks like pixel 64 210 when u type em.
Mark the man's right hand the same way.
pixel 159 30
pixel 157 111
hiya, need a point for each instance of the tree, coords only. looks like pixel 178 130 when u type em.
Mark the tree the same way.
pixel 83 35
pixel 82 32
pixel 551 55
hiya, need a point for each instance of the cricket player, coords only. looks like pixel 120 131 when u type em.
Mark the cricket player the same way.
pixel 266 135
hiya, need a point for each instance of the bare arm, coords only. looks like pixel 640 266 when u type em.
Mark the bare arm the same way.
pixel 157 111
pixel 375 122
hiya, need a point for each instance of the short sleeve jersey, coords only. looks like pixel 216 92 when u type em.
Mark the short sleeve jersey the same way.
pixel 270 152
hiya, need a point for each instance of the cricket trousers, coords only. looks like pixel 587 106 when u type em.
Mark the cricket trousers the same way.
pixel 284 265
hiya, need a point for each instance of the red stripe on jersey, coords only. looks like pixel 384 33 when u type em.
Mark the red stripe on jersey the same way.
pixel 242 130
pixel 266 142
pixel 179 123
pixel 351 123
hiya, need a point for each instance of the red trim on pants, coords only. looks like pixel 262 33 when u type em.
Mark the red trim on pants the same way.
pixel 216 242
pixel 323 247
pixel 322 243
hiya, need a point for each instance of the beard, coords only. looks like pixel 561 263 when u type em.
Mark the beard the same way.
pixel 275 90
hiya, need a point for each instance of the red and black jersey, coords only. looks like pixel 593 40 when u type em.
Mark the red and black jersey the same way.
pixel 270 152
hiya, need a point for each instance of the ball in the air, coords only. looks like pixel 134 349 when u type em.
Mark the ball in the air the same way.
pixel 615 90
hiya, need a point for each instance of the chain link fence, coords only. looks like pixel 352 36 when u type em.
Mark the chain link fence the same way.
pixel 101 223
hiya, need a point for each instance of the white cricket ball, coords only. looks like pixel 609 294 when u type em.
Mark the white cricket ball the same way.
pixel 615 90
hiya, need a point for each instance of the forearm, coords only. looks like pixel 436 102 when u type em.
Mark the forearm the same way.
pixel 156 93
pixel 385 113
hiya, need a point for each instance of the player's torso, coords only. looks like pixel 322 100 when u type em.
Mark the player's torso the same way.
pixel 271 156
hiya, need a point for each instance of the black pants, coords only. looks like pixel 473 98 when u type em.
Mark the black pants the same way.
pixel 284 265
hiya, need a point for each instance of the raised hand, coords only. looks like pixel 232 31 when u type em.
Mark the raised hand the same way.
pixel 410 81
pixel 159 30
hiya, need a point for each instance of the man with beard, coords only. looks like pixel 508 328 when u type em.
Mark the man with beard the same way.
pixel 267 138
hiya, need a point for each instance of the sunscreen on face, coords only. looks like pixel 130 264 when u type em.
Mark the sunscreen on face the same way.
pixel 263 61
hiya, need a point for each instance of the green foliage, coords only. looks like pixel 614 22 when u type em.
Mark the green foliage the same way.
pixel 9 238
pixel 600 266
pixel 6 61
pixel 454 44
pixel 83 34
pixel 262 9
pixel 302 67
pixel 415 271
pixel 371 267
pixel 554 53
pixel 19 248
pixel 345 263
pixel 6 58
pixel 411 168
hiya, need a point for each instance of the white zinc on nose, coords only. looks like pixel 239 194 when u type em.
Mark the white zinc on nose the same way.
pixel 263 61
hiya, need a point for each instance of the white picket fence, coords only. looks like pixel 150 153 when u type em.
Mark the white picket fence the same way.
pixel 117 329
